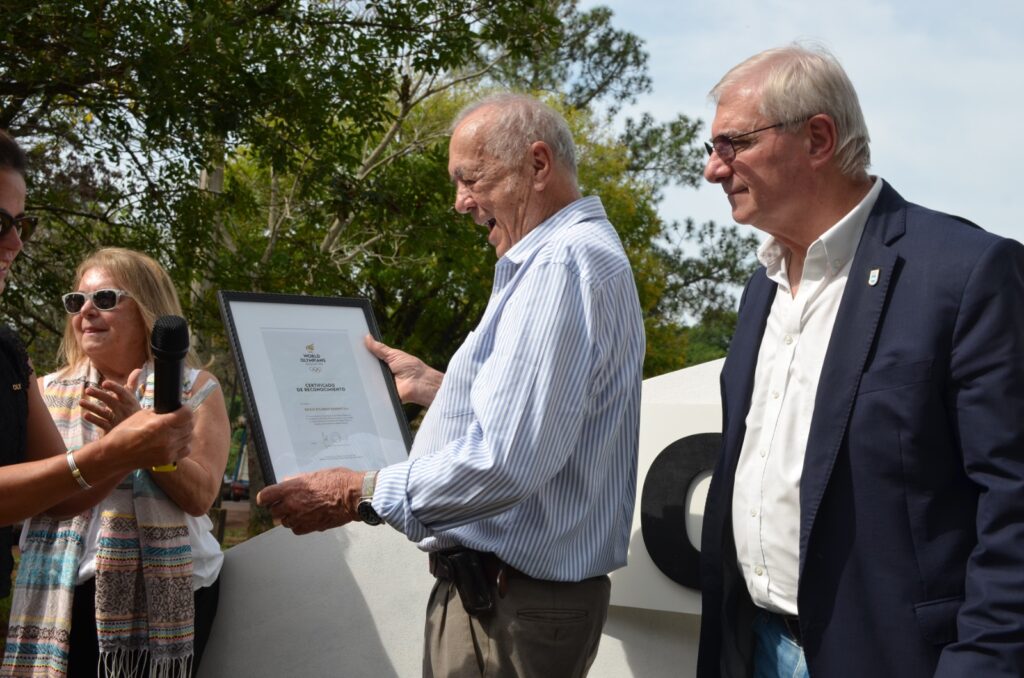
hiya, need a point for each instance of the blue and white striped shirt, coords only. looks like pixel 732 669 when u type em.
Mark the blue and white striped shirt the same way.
pixel 529 449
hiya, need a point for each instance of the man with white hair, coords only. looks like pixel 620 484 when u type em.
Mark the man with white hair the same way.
pixel 866 515
pixel 522 477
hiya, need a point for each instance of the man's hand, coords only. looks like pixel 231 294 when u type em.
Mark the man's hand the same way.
pixel 313 502
pixel 417 382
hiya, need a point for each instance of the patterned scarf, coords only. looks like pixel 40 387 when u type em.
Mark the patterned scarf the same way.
pixel 144 600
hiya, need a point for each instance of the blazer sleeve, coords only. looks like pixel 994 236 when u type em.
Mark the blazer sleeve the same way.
pixel 986 401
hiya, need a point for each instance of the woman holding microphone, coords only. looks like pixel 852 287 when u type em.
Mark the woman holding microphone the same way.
pixel 143 563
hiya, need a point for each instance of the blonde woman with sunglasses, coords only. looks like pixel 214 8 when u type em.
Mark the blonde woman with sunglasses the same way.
pixel 140 586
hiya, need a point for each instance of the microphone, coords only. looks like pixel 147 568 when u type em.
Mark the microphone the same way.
pixel 169 343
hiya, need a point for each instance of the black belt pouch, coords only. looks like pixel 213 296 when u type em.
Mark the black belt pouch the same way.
pixel 472 584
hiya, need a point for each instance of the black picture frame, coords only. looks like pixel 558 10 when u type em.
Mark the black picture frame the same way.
pixel 317 316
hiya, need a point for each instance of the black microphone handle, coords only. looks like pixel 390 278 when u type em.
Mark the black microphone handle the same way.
pixel 167 380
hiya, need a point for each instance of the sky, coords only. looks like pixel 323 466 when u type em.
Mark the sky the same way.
pixel 941 84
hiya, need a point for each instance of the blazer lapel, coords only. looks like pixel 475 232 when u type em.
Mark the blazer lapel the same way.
pixel 854 332
pixel 738 371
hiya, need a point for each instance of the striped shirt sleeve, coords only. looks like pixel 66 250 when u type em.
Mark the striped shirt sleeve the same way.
pixel 527 401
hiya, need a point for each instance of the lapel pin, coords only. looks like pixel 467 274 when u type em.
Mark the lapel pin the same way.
pixel 873 276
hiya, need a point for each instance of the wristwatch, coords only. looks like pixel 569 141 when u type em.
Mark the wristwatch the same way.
pixel 365 507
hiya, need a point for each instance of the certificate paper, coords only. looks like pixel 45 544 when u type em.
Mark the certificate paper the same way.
pixel 317 398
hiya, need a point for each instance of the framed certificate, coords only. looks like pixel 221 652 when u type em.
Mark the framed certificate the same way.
pixel 316 397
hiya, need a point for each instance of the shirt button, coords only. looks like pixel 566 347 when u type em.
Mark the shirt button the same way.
pixel 753 513
pixel 788 340
pixel 775 394
pixel 764 453
pixel 758 571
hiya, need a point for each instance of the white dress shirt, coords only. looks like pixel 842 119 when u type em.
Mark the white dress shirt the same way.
pixel 766 498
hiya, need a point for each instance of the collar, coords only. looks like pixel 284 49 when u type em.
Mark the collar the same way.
pixel 831 252
pixel 584 209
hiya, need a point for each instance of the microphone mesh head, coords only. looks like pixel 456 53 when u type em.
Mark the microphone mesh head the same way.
pixel 170 335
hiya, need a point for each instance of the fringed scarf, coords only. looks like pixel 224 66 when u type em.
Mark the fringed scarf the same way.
pixel 144 600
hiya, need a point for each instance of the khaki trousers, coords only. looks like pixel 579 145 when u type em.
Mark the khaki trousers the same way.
pixel 540 629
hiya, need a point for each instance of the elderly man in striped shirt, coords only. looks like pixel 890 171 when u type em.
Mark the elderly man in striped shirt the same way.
pixel 522 477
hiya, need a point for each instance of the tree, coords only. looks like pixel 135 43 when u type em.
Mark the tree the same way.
pixel 587 62
pixel 123 102
pixel 331 119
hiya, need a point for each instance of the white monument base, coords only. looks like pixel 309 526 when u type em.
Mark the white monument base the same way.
pixel 351 602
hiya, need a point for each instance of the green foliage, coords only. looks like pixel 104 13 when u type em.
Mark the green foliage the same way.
pixel 300 147
pixel 709 339
pixel 587 61
pixel 703 281
pixel 124 101
pixel 665 153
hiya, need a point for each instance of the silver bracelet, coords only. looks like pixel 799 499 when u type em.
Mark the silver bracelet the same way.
pixel 75 473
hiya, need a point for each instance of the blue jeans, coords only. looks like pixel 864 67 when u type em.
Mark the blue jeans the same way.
pixel 776 655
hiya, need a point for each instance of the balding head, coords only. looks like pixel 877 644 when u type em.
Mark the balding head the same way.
pixel 514 121
pixel 513 164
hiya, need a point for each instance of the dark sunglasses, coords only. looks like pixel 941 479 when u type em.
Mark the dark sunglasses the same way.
pixel 104 300
pixel 23 225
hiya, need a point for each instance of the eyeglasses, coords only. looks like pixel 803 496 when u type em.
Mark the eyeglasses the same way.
pixel 104 300
pixel 725 147
pixel 23 225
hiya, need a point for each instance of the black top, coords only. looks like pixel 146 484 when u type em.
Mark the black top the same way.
pixel 14 382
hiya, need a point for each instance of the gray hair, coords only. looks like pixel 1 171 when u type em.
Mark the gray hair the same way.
pixel 520 121
pixel 796 82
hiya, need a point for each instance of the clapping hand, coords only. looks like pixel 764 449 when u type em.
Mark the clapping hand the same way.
pixel 113 402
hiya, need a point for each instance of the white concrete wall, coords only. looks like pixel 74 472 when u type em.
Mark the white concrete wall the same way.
pixel 351 601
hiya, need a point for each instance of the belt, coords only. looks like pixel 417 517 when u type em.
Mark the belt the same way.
pixel 792 625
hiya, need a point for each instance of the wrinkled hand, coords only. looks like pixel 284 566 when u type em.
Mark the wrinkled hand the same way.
pixel 417 382
pixel 115 402
pixel 313 502
pixel 148 439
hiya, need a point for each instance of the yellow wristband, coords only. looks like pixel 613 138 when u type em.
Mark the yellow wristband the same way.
pixel 75 473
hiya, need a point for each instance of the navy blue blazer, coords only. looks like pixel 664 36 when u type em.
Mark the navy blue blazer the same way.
pixel 912 494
